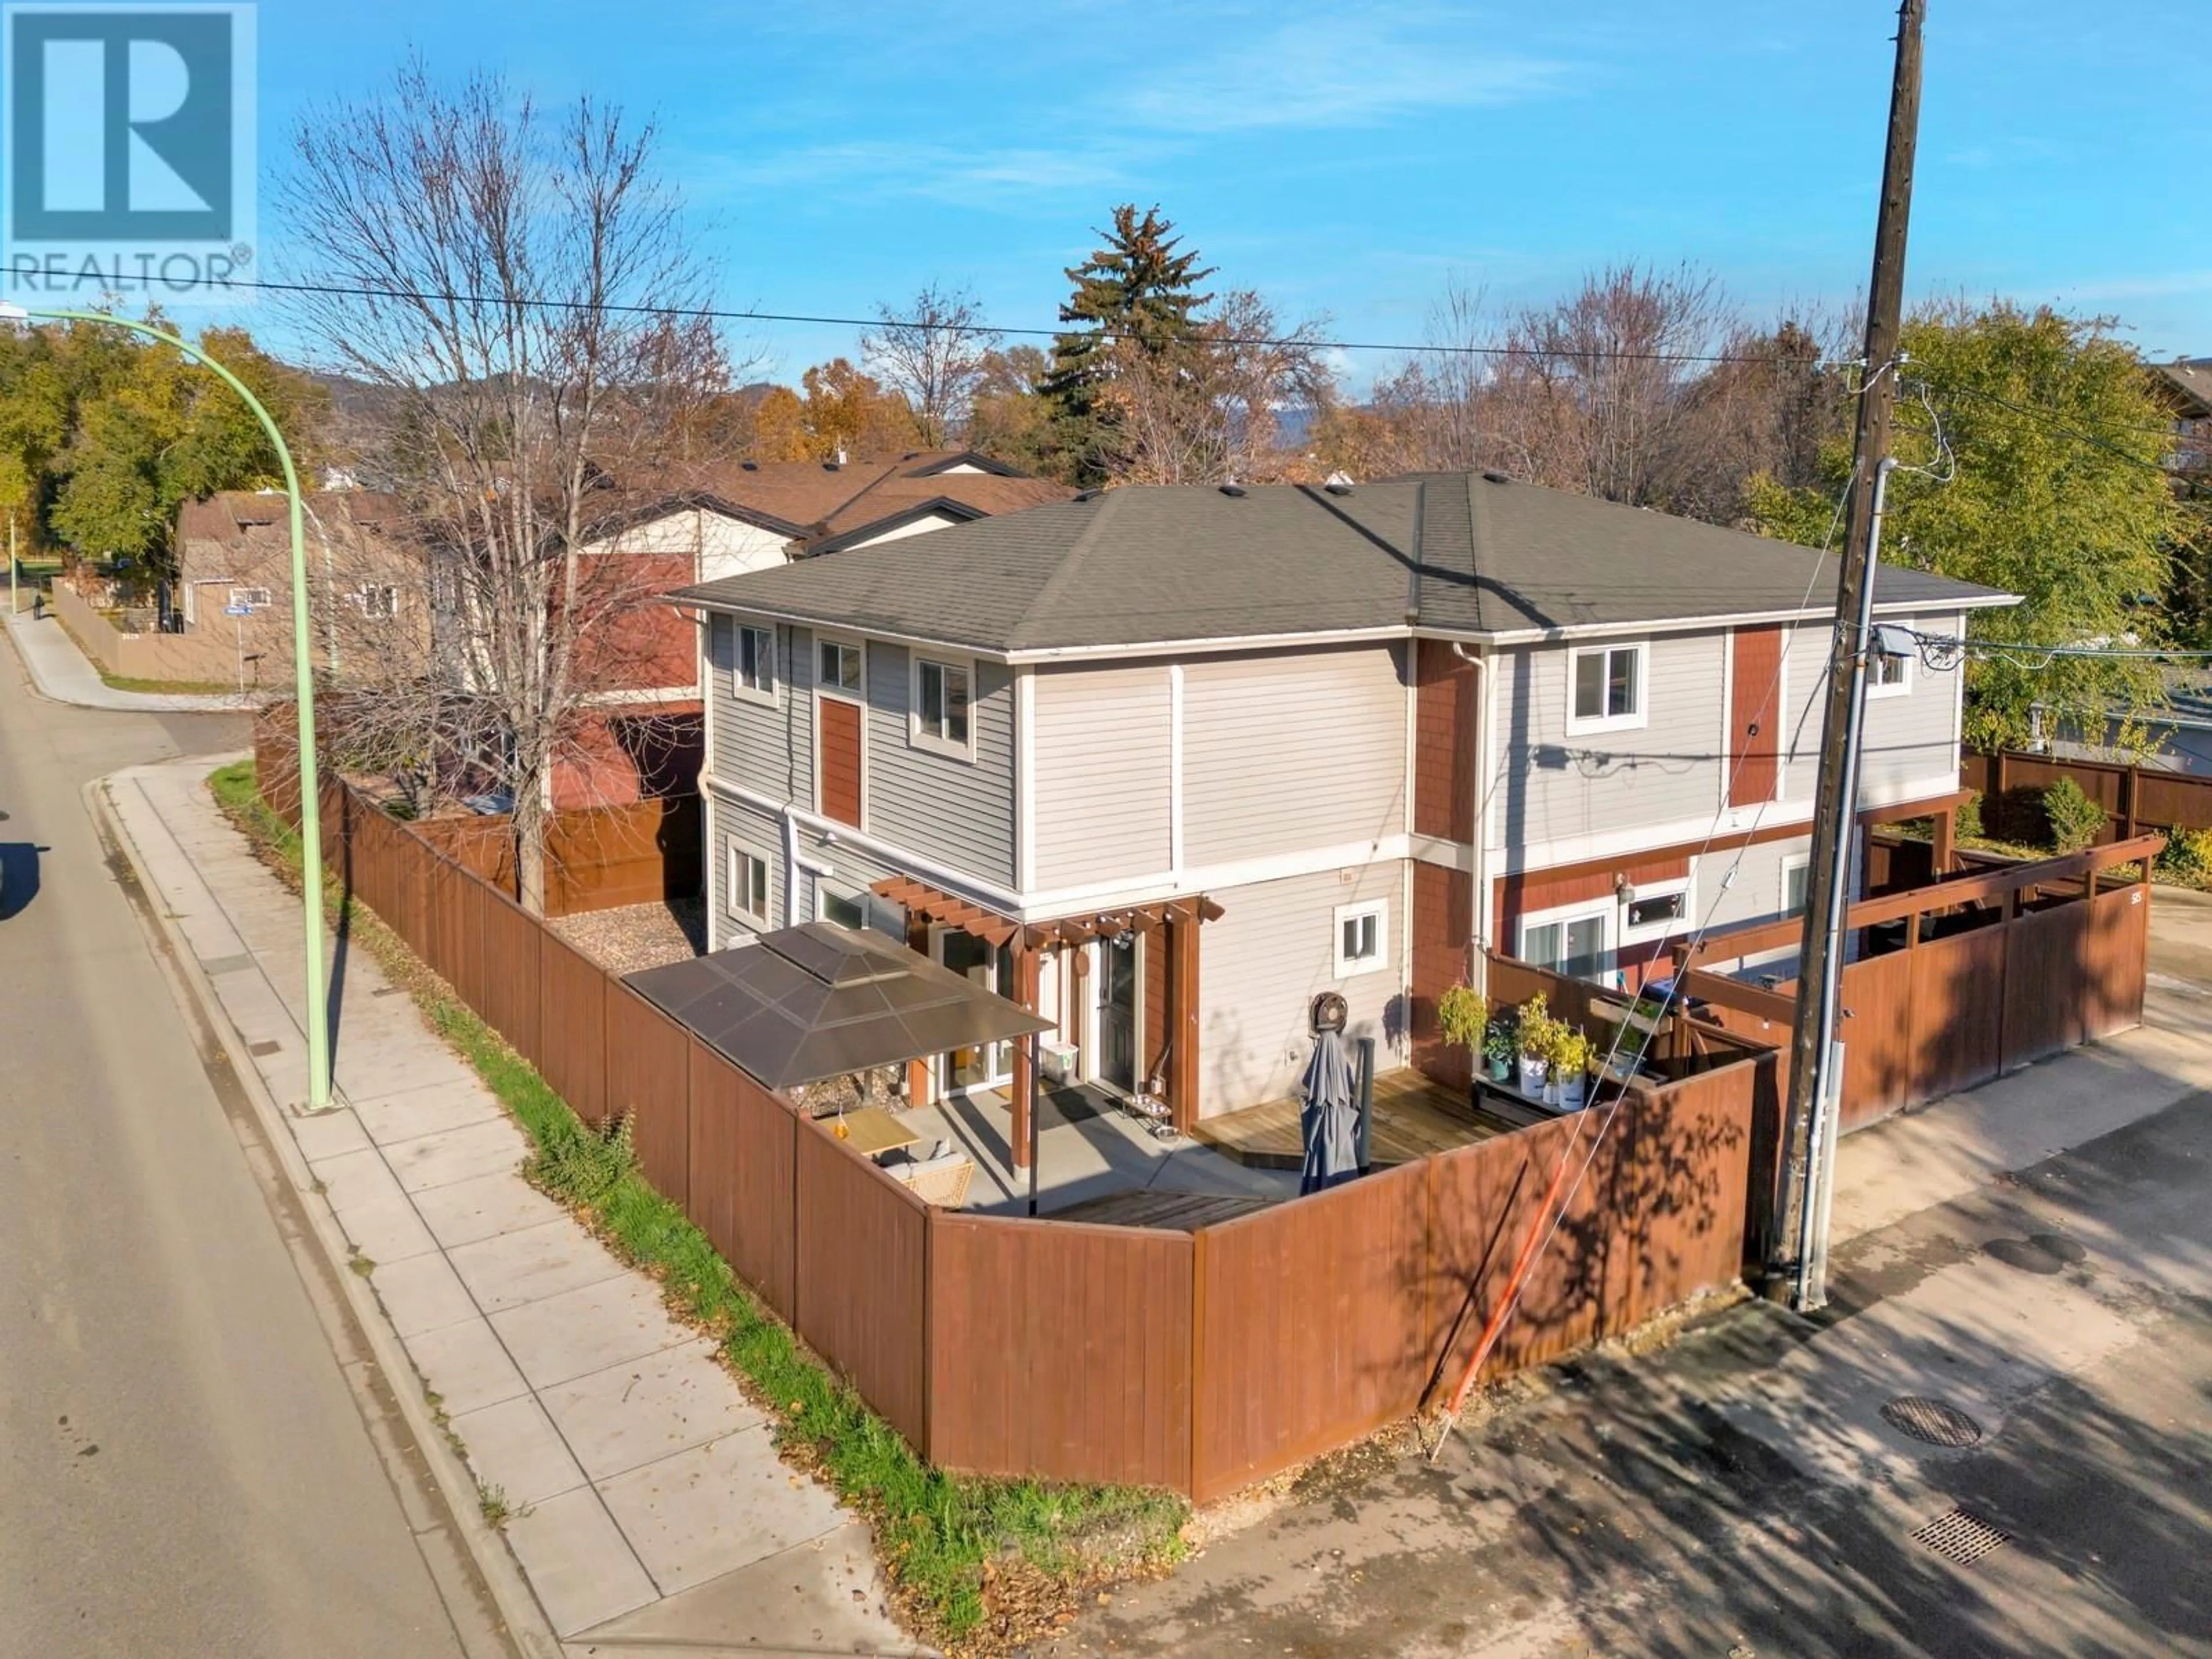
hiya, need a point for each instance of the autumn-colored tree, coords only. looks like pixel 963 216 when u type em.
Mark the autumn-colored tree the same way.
pixel 852 414
pixel 2053 489
pixel 1007 417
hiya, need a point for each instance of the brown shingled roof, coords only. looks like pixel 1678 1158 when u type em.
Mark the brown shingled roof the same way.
pixel 819 501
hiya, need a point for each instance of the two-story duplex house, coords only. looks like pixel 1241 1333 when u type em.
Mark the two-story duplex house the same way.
pixel 1166 763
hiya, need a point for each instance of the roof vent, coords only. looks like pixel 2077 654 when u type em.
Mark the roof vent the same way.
pixel 1492 476
pixel 750 466
pixel 1337 483
pixel 1232 489
pixel 1088 495
pixel 831 466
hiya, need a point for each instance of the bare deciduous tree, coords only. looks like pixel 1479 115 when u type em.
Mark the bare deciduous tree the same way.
pixel 932 352
pixel 1210 410
pixel 480 263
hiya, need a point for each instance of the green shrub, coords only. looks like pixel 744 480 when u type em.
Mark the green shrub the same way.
pixel 1966 817
pixel 2076 820
pixel 2188 855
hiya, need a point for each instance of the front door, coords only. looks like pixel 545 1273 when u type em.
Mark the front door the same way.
pixel 987 1065
pixel 1117 1013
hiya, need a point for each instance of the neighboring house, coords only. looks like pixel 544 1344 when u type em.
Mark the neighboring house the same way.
pixel 366 572
pixel 2184 386
pixel 1166 763
pixel 703 523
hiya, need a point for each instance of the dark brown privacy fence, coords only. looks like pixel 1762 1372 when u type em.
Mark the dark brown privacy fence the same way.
pixel 1962 980
pixel 1195 1361
pixel 2134 798
pixel 597 859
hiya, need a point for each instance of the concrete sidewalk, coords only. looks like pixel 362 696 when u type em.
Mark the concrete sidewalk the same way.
pixel 649 1506
pixel 63 674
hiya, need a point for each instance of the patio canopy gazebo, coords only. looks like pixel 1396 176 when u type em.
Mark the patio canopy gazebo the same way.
pixel 819 1001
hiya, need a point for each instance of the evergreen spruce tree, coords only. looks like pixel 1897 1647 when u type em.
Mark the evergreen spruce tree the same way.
pixel 1138 291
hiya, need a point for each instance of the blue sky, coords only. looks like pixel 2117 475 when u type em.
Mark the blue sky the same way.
pixel 1350 160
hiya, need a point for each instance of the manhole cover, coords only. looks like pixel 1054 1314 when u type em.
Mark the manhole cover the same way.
pixel 1958 1536
pixel 1932 1422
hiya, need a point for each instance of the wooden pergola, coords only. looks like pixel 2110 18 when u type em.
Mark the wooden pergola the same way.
pixel 1174 921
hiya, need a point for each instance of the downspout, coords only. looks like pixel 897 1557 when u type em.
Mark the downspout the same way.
pixel 1477 932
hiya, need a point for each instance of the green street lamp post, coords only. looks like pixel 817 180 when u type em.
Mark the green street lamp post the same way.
pixel 311 828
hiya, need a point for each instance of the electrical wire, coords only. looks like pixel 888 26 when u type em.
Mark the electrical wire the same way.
pixel 718 313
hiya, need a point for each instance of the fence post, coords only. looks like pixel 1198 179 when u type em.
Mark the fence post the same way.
pixel 1997 773
pixel 2131 782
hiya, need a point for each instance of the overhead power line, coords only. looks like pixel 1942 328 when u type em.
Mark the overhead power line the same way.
pixel 723 313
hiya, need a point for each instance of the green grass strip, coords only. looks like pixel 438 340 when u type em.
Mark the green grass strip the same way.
pixel 937 1533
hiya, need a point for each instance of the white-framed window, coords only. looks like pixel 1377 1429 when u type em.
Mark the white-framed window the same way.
pixel 746 898
pixel 841 667
pixel 380 600
pixel 1654 909
pixel 855 909
pixel 1795 879
pixel 1577 940
pixel 752 663
pixel 1888 676
pixel 1363 937
pixel 1606 689
pixel 943 698
pixel 256 597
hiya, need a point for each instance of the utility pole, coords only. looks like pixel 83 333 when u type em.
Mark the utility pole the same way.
pixel 1835 816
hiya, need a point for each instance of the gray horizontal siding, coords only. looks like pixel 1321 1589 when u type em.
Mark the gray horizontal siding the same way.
pixel 956 812
pixel 1272 951
pixel 1288 750
pixel 1101 747
pixel 767 749
pixel 1551 786
pixel 1911 740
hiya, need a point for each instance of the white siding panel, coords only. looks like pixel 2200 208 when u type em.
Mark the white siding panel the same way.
pixel 1262 964
pixel 1911 740
pixel 1551 786
pixel 731 547
pixel 1102 764
pixel 1286 750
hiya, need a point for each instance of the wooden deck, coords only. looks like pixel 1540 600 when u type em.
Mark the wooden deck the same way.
pixel 1415 1119
pixel 1172 1212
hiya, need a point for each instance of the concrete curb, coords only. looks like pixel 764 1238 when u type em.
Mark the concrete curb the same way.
pixel 527 1627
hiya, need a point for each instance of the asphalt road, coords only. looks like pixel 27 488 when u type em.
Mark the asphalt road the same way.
pixel 193 1456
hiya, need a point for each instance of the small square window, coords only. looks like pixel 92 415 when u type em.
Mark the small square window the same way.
pixel 748 890
pixel 941 696
pixel 841 667
pixel 754 670
pixel 1795 875
pixel 1606 687
pixel 1362 943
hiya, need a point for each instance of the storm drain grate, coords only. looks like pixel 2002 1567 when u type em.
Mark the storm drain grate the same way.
pixel 1932 1422
pixel 1958 1536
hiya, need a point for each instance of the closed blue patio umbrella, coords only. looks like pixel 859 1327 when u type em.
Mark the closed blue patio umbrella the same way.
pixel 1329 1121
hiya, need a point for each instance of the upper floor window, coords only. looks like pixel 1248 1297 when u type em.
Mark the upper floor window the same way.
pixel 753 673
pixel 841 669
pixel 941 695
pixel 1888 677
pixel 1605 688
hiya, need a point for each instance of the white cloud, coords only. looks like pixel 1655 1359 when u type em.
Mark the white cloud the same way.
pixel 1351 70
pixel 979 175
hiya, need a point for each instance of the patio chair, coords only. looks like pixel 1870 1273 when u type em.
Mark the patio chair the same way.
pixel 940 1181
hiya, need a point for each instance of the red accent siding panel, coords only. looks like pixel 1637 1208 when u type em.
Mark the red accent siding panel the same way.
pixel 1444 743
pixel 1755 716
pixel 840 725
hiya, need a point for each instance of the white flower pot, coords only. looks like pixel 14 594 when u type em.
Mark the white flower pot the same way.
pixel 1532 1075
pixel 1571 1092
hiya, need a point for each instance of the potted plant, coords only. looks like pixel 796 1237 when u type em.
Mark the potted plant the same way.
pixel 1462 1016
pixel 1500 1045
pixel 1570 1064
pixel 1533 1033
